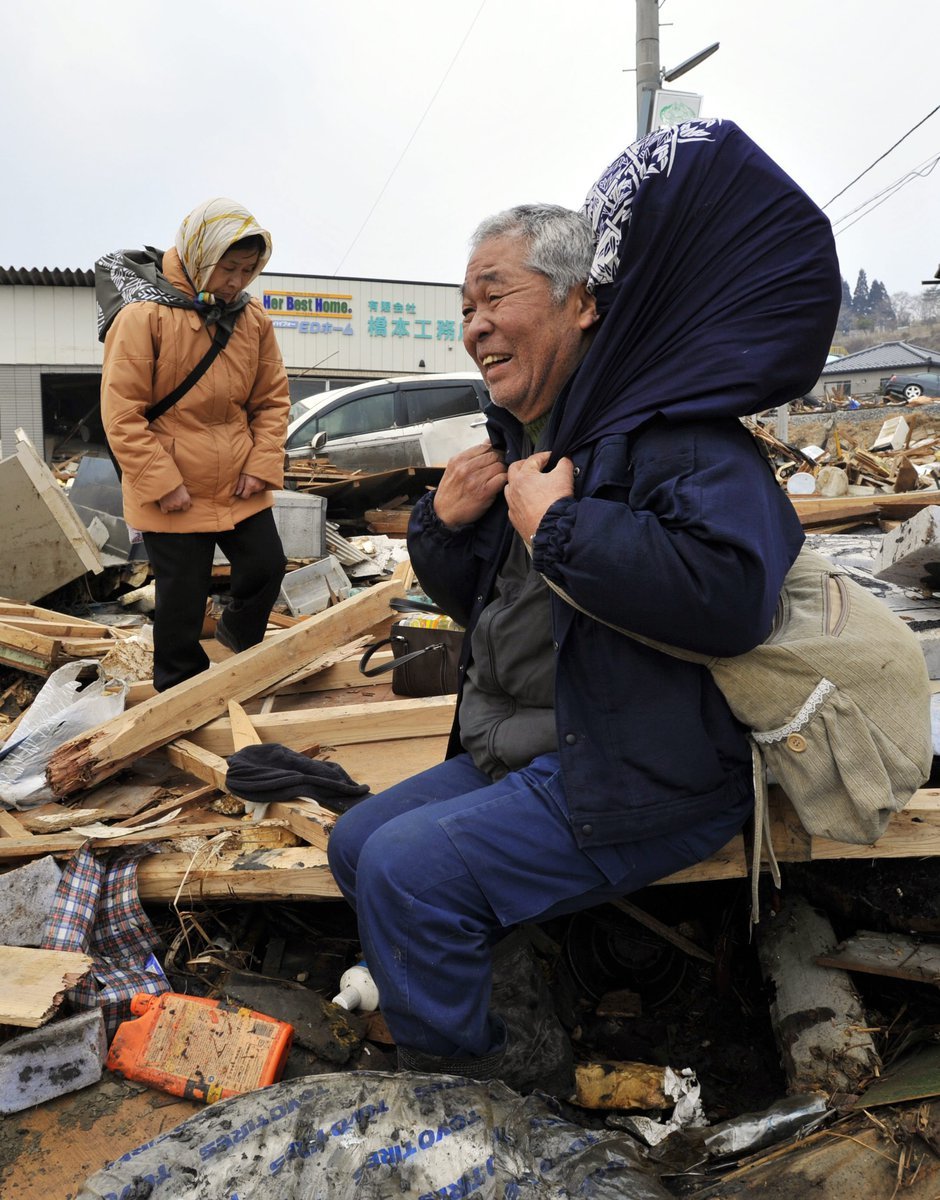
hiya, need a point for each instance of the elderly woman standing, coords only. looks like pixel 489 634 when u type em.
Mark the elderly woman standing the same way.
pixel 197 472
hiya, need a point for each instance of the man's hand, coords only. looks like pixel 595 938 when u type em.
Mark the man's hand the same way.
pixel 248 485
pixel 530 493
pixel 471 482
pixel 176 501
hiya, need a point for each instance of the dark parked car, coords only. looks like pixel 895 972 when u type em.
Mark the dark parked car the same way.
pixel 900 389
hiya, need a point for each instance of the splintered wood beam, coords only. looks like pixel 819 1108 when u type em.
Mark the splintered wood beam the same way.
pixel 307 819
pixel 243 731
pixel 338 725
pixel 203 764
pixel 291 873
pixel 102 752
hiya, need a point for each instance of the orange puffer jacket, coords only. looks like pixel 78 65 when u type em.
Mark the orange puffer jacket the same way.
pixel 233 420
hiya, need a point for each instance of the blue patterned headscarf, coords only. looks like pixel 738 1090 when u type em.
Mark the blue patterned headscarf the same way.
pixel 717 281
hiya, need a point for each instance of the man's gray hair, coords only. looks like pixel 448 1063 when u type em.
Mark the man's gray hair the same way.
pixel 560 242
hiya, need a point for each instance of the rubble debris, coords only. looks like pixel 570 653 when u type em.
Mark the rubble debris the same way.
pixel 40 640
pixel 333 1034
pixel 409 1135
pixel 910 555
pixel 95 756
pixel 885 954
pixel 818 1017
pixel 199 1048
pixel 62 1056
pixel 47 545
pixel 33 982
pixel 26 896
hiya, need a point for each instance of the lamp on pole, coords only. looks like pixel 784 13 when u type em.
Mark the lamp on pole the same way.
pixel 649 75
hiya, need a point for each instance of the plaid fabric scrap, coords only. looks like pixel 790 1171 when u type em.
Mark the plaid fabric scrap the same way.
pixel 97 911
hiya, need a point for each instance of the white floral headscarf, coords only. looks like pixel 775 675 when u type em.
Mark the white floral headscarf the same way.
pixel 207 233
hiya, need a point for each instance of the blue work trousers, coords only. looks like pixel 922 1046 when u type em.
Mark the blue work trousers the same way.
pixel 440 866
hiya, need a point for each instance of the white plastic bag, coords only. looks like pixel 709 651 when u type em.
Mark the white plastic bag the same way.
pixel 59 712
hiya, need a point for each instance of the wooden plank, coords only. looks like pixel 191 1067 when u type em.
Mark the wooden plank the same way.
pixel 101 752
pixel 66 627
pixel 338 725
pixel 814 510
pixel 10 827
pixel 307 819
pixel 87 647
pixel 28 641
pixel 186 801
pixel 32 982
pixel 203 764
pixel 890 954
pixel 383 766
pixel 294 873
pixel 243 731
pixel 31 846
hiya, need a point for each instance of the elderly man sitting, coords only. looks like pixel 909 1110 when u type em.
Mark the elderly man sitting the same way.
pixel 617 488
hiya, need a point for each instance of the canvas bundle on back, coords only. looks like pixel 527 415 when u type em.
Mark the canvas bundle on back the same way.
pixel 837 700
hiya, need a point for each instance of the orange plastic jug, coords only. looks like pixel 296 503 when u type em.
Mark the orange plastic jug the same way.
pixel 197 1048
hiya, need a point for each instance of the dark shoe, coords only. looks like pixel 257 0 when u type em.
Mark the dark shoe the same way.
pixel 538 1054
pixel 535 1053
pixel 485 1067
pixel 222 635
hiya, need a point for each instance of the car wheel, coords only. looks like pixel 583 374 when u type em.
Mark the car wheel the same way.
pixel 912 391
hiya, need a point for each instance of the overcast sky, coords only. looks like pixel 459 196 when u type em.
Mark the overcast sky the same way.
pixel 371 137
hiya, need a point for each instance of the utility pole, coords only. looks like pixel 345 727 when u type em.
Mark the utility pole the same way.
pixel 648 76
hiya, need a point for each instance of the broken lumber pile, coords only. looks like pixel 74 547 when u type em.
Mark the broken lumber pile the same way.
pixel 39 640
pixel 95 756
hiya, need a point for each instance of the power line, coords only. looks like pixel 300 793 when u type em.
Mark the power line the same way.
pixel 382 190
pixel 881 156
pixel 873 202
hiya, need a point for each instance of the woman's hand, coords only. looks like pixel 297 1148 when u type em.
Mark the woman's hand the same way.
pixel 248 485
pixel 176 501
pixel 530 493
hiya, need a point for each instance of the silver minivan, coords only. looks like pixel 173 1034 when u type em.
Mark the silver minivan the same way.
pixel 409 421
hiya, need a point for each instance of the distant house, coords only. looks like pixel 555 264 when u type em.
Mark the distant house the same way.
pixel 869 370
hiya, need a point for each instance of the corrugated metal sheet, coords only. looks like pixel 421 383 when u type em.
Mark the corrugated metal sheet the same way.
pixel 47 276
pixel 889 356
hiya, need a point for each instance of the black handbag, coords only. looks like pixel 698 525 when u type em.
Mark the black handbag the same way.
pixel 425 659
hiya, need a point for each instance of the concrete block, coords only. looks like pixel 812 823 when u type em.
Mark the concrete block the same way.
pixel 26 896
pixel 910 554
pixel 57 1058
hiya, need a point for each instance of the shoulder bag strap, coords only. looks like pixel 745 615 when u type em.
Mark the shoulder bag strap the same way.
pixel 218 345
pixel 704 660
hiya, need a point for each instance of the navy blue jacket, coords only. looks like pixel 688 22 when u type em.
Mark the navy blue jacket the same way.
pixel 678 532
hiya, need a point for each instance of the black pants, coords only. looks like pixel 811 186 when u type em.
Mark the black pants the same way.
pixel 182 569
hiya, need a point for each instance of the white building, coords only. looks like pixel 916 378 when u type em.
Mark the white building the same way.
pixel 331 331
